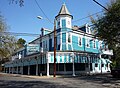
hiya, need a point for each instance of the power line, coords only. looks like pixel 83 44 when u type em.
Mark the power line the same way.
pixel 43 12
pixel 19 34
pixel 100 5
pixel 88 16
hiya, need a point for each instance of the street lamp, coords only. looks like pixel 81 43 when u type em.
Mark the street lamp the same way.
pixel 39 17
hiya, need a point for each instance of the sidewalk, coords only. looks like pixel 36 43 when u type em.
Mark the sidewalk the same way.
pixel 51 76
pixel 27 76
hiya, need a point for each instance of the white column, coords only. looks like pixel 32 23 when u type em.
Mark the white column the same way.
pixel 72 56
pixel 93 67
pixel 47 67
pixel 101 63
pixel 73 68
pixel 28 69
pixel 37 69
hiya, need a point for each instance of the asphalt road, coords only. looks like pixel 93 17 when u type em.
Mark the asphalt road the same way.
pixel 22 81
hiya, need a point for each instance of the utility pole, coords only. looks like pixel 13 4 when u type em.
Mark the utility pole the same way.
pixel 100 5
pixel 54 47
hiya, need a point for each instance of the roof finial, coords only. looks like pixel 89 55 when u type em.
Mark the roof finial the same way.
pixel 64 3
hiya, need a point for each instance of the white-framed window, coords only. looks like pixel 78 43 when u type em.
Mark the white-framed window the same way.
pixel 58 24
pixel 106 47
pixel 52 41
pixel 80 41
pixel 88 43
pixel 94 44
pixel 69 38
pixel 58 39
pixel 46 44
pixel 43 44
pixel 100 44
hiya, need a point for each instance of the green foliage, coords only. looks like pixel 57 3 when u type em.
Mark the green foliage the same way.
pixel 107 28
pixel 21 42
pixel 20 2
pixel 7 42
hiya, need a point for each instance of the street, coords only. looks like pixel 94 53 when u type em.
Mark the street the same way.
pixel 21 81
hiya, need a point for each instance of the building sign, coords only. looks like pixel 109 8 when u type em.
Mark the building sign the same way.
pixel 32 48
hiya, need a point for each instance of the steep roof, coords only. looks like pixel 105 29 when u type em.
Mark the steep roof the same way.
pixel 64 11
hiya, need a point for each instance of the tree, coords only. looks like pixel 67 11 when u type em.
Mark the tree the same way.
pixel 107 28
pixel 7 42
pixel 21 42
pixel 20 2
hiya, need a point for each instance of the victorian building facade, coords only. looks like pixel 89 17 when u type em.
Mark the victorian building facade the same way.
pixel 77 51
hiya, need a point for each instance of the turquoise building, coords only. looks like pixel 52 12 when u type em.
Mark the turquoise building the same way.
pixel 77 51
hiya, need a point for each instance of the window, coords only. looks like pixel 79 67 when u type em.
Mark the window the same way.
pixel 43 44
pixel 80 41
pixel 58 39
pixel 87 30
pixel 63 23
pixel 87 42
pixel 52 42
pixel 69 38
pixel 46 43
pixel 94 44
pixel 58 24
pixel 106 47
pixel 100 44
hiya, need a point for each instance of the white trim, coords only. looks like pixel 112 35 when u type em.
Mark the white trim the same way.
pixel 60 40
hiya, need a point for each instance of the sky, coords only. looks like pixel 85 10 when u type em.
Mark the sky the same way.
pixel 24 19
